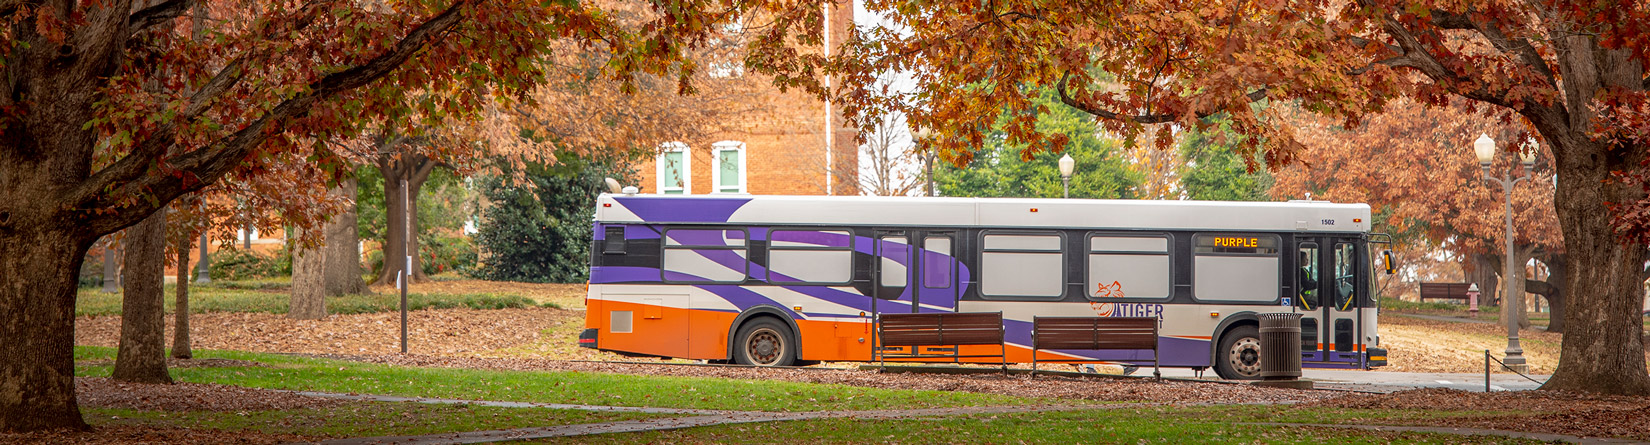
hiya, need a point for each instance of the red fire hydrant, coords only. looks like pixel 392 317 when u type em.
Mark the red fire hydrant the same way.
pixel 1472 300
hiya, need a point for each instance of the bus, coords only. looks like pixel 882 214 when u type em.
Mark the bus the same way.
pixel 795 280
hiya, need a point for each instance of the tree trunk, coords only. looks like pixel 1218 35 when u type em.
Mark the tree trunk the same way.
pixel 415 169
pixel 180 310
pixel 37 299
pixel 1603 349
pixel 1483 272
pixel 308 283
pixel 142 354
pixel 343 248
pixel 1557 274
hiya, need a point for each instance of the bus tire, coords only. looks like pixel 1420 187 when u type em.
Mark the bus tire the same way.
pixel 1239 355
pixel 764 342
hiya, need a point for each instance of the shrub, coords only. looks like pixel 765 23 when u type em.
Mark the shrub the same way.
pixel 540 232
pixel 237 264
pixel 442 253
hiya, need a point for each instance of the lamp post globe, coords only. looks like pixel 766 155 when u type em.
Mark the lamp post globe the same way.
pixel 1484 147
pixel 1067 165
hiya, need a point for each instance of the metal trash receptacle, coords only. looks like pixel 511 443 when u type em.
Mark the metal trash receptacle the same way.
pixel 1280 346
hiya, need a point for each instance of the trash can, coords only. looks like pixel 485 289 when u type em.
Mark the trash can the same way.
pixel 1280 346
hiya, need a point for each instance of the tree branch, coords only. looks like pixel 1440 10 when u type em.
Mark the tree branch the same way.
pixel 1142 118
pixel 1522 48
pixel 218 158
pixel 157 14
pixel 1415 55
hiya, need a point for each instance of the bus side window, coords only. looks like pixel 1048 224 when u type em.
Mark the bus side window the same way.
pixel 614 243
pixel 1306 279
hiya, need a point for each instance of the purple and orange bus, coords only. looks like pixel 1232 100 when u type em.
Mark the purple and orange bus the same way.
pixel 789 280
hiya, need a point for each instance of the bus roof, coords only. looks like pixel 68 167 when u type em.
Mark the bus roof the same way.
pixel 1121 214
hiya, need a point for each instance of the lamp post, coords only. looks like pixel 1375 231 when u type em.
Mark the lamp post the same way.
pixel 203 271
pixel 1484 147
pixel 1066 166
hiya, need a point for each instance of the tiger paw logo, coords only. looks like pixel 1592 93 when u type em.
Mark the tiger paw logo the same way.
pixel 1115 290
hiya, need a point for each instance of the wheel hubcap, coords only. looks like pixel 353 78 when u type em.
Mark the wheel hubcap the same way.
pixel 1245 356
pixel 765 347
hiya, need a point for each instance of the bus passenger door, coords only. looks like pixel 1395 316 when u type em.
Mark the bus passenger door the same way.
pixel 892 277
pixel 1343 292
pixel 1327 295
pixel 937 269
pixel 1309 267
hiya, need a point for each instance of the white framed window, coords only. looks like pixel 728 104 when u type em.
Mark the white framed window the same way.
pixel 1124 265
pixel 728 175
pixel 675 169
pixel 810 256
pixel 1235 267
pixel 709 255
pixel 1022 265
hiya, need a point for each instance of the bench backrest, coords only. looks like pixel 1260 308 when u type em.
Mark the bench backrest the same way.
pixel 1444 290
pixel 1094 332
pixel 967 328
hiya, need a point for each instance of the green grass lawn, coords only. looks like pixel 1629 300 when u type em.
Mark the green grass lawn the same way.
pixel 272 296
pixel 365 419
pixel 1169 425
pixel 298 373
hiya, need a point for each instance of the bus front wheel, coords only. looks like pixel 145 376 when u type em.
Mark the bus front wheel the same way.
pixel 1239 355
pixel 764 342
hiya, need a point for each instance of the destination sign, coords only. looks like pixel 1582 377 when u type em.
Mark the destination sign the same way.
pixel 1253 244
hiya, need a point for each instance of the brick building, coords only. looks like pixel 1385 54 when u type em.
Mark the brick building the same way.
pixel 779 150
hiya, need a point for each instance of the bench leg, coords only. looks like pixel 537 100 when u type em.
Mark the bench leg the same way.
pixel 1157 365
pixel 1003 349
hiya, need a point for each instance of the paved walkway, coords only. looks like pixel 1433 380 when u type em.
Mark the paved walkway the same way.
pixel 699 417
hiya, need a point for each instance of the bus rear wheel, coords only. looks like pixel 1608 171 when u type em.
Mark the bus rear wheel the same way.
pixel 764 342
pixel 1239 355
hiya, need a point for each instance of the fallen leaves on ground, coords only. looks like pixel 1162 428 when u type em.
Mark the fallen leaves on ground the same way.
pixel 568 296
pixel 1575 414
pixel 1422 345
pixel 145 434
pixel 436 331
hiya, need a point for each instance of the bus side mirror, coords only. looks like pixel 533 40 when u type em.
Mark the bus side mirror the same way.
pixel 1391 267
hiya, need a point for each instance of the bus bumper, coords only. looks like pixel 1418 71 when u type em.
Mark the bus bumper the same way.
pixel 587 339
pixel 1377 357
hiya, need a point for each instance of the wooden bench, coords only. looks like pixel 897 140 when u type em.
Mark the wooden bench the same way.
pixel 1095 333
pixel 939 336
pixel 1444 291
